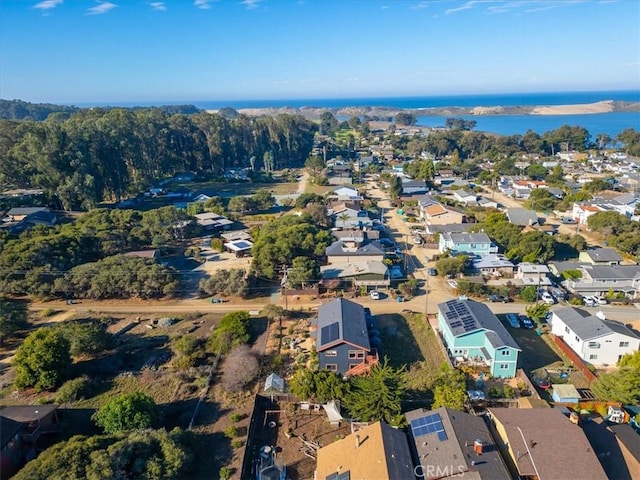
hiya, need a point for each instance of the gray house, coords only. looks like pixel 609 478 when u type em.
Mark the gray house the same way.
pixel 342 338
pixel 600 256
pixel 522 216
pixel 602 279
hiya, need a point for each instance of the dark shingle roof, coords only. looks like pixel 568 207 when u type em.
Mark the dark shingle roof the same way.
pixel 626 435
pixel 351 325
pixel 603 255
pixel 337 249
pixel 8 429
pixel 462 430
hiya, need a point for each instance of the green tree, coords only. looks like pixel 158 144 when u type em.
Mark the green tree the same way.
pixel 378 395
pixel 395 187
pixel 189 349
pixel 88 337
pixel 529 293
pixel 328 123
pixel 231 282
pixel 404 118
pixel 43 360
pixel 13 316
pixel 303 272
pixel 449 389
pixel 233 330
pixel 152 455
pixel 320 386
pixel 622 385
pixel 451 265
pixel 263 199
pixel 537 312
pixel 314 165
pixel 129 411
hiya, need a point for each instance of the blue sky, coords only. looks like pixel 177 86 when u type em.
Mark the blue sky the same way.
pixel 75 51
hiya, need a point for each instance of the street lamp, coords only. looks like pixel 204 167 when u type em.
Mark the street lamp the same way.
pixel 38 416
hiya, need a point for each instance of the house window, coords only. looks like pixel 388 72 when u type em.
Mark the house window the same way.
pixel 506 353
pixel 624 344
pixel 352 354
pixel 594 345
pixel 566 329
pixel 577 339
pixel 332 367
pixel 360 354
pixel 504 366
pixel 593 357
pixel 353 365
pixel 331 353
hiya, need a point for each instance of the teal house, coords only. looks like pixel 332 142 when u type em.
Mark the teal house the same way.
pixel 473 335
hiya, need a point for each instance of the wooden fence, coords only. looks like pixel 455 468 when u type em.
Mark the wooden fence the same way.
pixel 575 359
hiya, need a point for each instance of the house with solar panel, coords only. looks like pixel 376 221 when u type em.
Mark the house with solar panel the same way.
pixel 474 336
pixel 343 343
pixel 447 443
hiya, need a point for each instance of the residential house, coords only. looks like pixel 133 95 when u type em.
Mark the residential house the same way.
pixel 411 187
pixel 600 256
pixel 367 273
pixel 541 443
pixel 20 213
pixel 624 204
pixel 473 334
pixel 466 197
pixel 495 264
pixel 346 251
pixel 342 338
pixel 376 451
pixel 604 279
pixel 533 274
pixel 41 217
pixel 213 221
pixel 150 254
pixel 523 193
pixel 448 443
pixel 345 194
pixel 469 243
pixel 522 216
pixel 201 198
pixel 21 427
pixel 628 441
pixel 485 202
pixel 349 216
pixel 594 339
pixel 241 248
pixel 434 213
pixel 556 192
pixel 11 448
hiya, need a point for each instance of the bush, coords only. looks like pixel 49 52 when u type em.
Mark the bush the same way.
pixel 43 360
pixel 508 391
pixel 74 390
pixel 237 444
pixel 129 411
pixel 236 417
pixel 225 473
pixel 231 431
pixel 575 301
pixel 240 367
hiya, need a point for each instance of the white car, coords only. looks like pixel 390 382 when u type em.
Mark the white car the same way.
pixel 375 295
pixel 590 301
pixel 547 298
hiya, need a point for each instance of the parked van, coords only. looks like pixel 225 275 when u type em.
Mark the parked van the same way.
pixel 568 221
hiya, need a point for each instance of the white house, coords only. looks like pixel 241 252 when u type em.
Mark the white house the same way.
pixel 596 340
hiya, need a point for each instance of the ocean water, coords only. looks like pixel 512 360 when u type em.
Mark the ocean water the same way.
pixel 601 123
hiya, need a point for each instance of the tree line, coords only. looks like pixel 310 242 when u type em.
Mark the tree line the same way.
pixel 95 155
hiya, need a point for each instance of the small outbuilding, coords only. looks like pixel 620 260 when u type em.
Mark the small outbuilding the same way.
pixel 274 384
pixel 565 393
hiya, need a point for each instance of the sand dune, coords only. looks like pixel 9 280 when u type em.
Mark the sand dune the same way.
pixel 577 109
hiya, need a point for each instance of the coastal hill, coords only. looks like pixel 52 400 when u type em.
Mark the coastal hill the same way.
pixel 312 112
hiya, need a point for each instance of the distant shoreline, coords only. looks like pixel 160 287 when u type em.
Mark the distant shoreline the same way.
pixel 606 106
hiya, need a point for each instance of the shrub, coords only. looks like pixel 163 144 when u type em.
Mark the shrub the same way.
pixel 575 301
pixel 508 391
pixel 129 411
pixel 236 417
pixel 225 473
pixel 237 444
pixel 231 431
pixel 74 390
pixel 240 367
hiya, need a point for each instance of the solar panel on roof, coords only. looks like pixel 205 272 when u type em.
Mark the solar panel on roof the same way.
pixel 242 244
pixel 456 324
pixel 428 425
pixel 330 333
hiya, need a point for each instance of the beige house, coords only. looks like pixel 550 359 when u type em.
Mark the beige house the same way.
pixel 434 213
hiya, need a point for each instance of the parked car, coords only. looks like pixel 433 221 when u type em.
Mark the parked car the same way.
pixel 452 283
pixel 433 272
pixel 375 295
pixel 589 301
pixel 547 298
pixel 512 318
pixel 541 382
pixel 568 221
pixel 526 322
pixel 498 298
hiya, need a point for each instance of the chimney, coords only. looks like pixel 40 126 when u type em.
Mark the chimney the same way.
pixel 357 441
pixel 478 447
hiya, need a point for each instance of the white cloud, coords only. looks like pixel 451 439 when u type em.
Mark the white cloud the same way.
pixel 158 6
pixel 47 4
pixel 420 5
pixel 102 7
pixel 465 6
pixel 202 4
pixel 250 4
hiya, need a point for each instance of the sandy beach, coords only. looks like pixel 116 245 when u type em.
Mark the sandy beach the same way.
pixel 579 109
pixel 310 112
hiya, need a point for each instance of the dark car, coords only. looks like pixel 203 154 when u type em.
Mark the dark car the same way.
pixel 541 382
pixel 433 272
pixel 526 322
pixel 498 298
